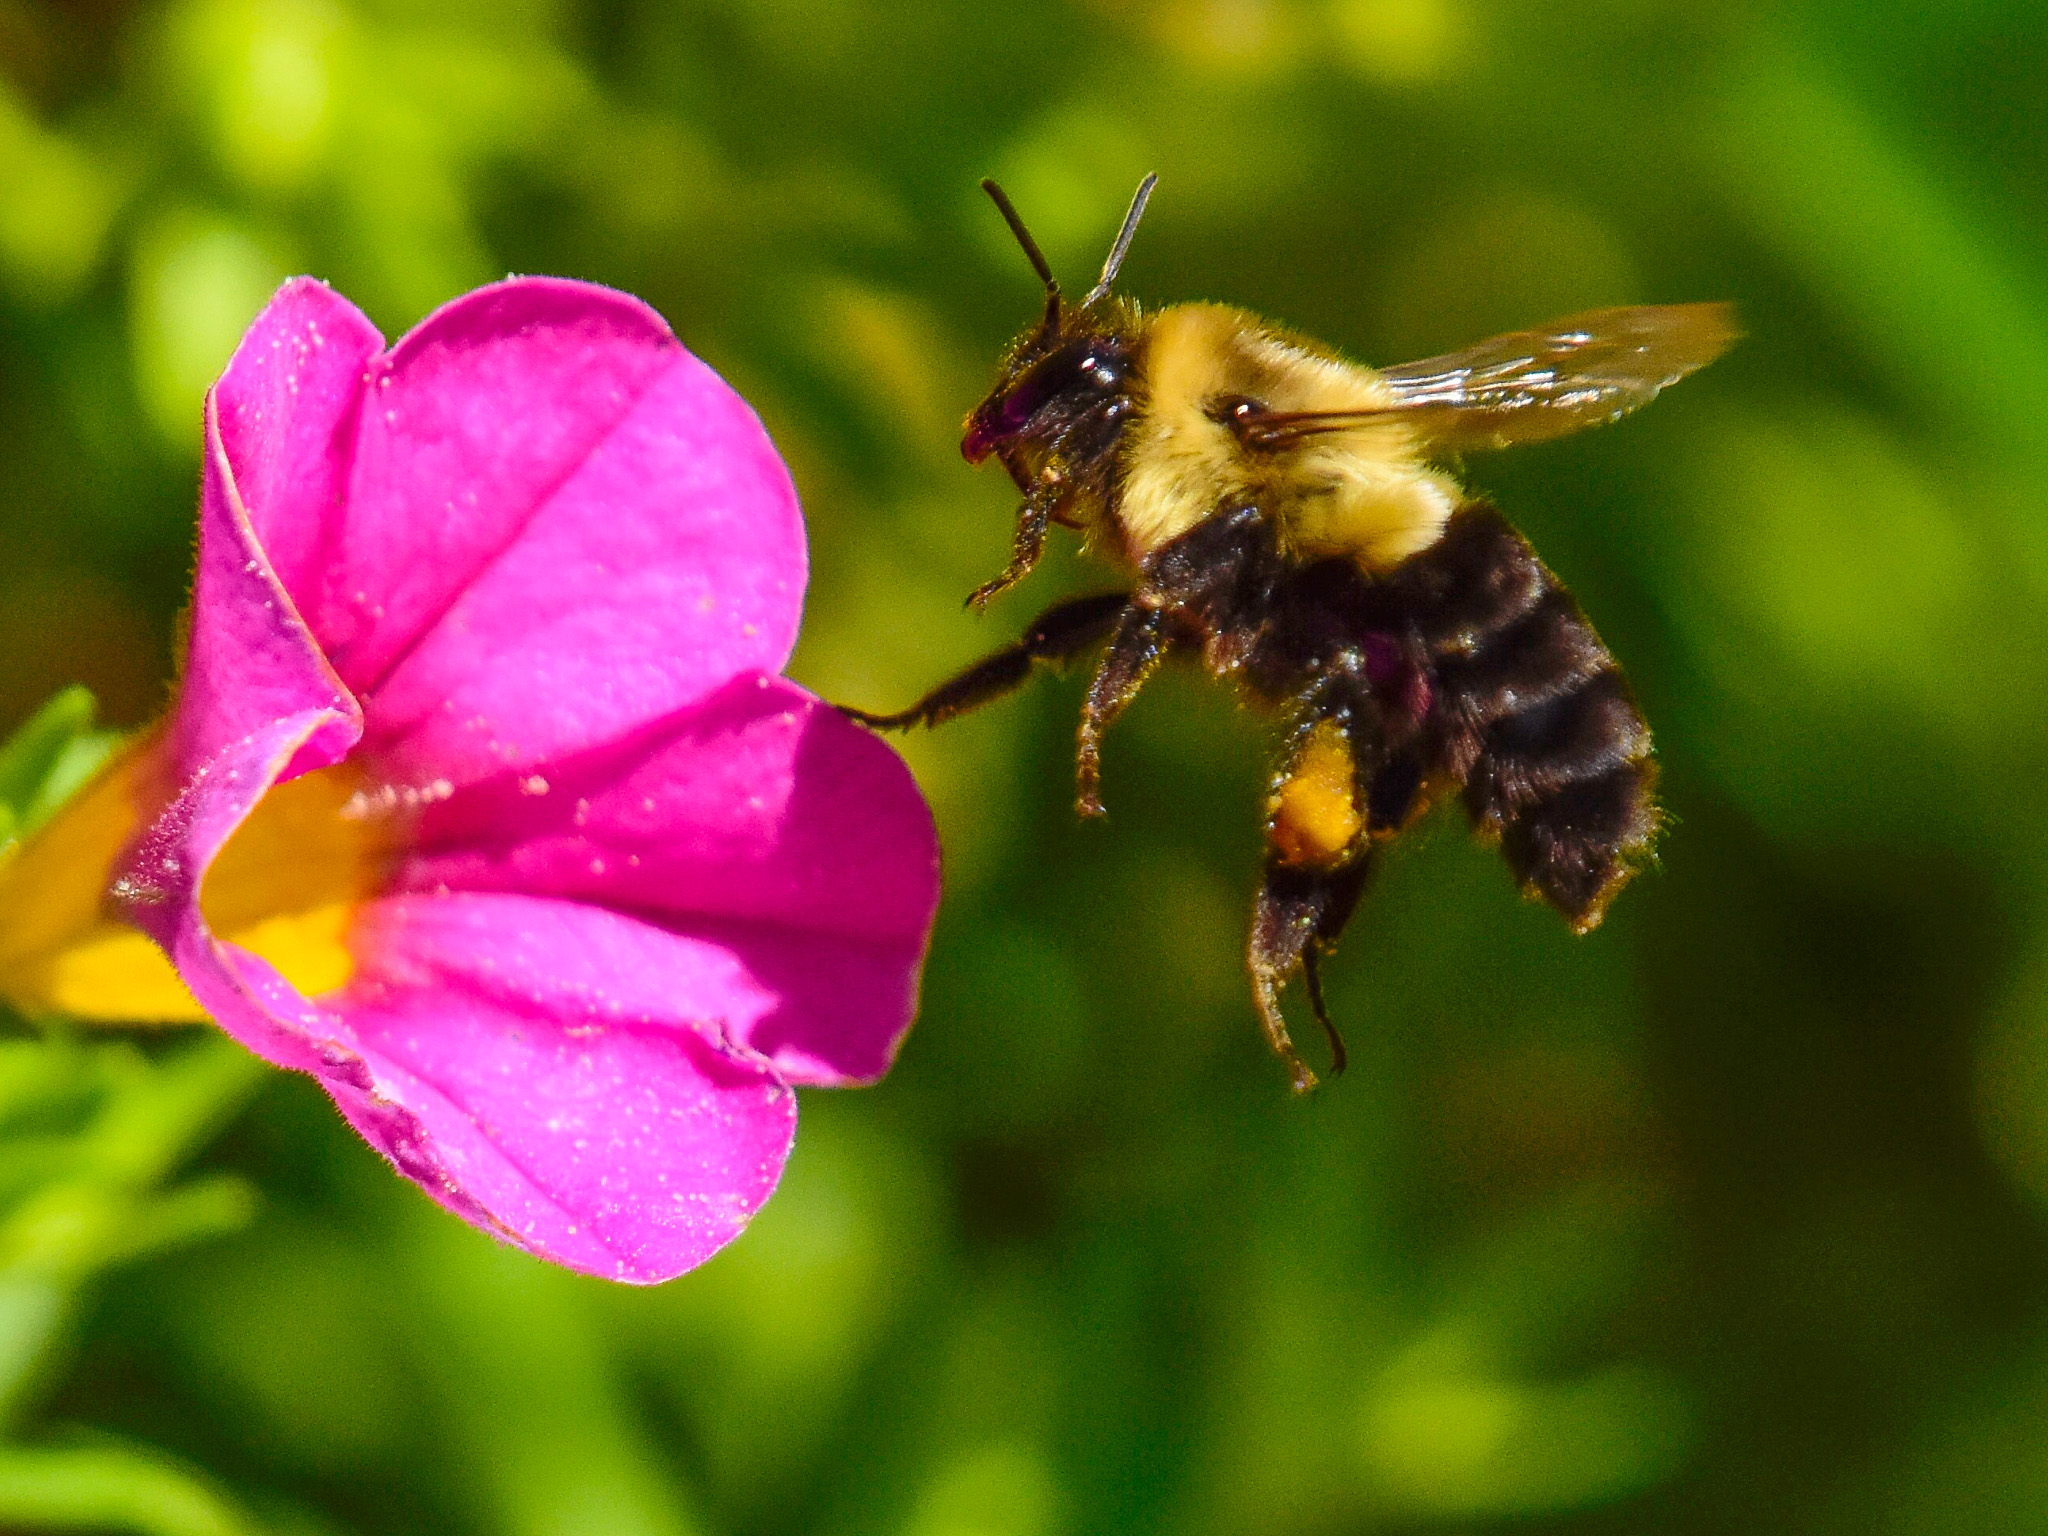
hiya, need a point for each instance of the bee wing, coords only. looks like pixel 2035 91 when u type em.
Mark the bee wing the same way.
pixel 1530 386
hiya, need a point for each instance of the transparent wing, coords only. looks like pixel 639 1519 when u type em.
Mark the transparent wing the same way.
pixel 1530 386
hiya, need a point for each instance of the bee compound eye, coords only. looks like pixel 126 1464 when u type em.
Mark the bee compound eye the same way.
pixel 1100 370
pixel 1232 409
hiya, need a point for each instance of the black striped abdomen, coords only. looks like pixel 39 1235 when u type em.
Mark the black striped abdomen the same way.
pixel 1530 713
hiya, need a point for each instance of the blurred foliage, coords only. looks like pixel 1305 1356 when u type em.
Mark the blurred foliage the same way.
pixel 93 1129
pixel 1729 1218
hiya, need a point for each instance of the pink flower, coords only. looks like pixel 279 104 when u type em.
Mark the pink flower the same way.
pixel 481 800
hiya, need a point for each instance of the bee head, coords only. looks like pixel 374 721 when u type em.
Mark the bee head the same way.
pixel 1071 361
pixel 1046 387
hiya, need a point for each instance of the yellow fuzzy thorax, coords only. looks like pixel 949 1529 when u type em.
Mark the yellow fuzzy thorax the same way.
pixel 1364 492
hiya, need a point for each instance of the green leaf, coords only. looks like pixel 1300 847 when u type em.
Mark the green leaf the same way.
pixel 77 761
pixel 159 1111
pixel 110 1488
pixel 32 1309
pixel 28 758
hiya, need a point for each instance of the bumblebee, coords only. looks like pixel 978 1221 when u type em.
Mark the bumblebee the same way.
pixel 1286 515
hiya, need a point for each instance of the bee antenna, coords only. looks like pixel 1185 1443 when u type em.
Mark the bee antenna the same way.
pixel 1122 247
pixel 1031 251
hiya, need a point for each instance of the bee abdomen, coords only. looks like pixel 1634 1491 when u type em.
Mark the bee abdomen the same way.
pixel 1531 714
pixel 1480 577
pixel 1578 846
pixel 1585 733
pixel 1543 656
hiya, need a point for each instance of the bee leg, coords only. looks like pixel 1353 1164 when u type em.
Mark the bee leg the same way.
pixel 1055 635
pixel 1318 849
pixel 1032 518
pixel 1142 639
pixel 1312 978
pixel 1299 912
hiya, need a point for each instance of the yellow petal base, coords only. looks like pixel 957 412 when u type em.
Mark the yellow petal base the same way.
pixel 285 887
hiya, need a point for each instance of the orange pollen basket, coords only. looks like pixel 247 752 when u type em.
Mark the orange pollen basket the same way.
pixel 1313 816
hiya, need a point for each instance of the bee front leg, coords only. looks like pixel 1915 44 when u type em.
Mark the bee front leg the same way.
pixel 1142 639
pixel 1056 634
pixel 1032 519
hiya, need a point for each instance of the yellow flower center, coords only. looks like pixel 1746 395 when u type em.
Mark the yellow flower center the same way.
pixel 285 887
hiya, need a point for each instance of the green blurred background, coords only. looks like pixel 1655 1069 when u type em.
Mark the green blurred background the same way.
pixel 1727 1219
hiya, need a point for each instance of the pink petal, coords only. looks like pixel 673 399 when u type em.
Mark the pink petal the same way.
pixel 287 409
pixel 761 817
pixel 257 701
pixel 157 887
pixel 668 560
pixel 250 660
pixel 540 1068
pixel 567 1067
pixel 534 523
pixel 560 524
pixel 421 1059
pixel 465 430
pixel 547 539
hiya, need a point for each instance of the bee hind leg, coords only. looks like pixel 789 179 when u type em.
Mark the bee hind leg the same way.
pixel 1312 979
pixel 1299 913
pixel 1055 636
